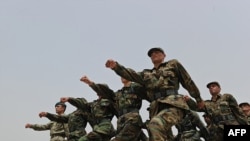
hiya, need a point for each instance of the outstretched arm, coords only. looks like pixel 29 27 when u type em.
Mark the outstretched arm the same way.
pixel 126 73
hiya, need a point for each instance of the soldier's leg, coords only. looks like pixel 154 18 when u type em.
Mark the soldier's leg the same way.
pixel 161 125
pixel 143 136
pixel 129 128
pixel 91 136
pixel 57 138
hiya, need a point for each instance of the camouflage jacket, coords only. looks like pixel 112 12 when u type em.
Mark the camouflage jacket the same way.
pixel 125 100
pixel 77 120
pixel 168 76
pixel 248 120
pixel 225 106
pixel 56 128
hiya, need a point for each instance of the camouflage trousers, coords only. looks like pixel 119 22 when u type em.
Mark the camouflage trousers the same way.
pixel 160 125
pixel 129 128
pixel 76 135
pixel 103 131
pixel 216 133
pixel 58 138
pixel 192 135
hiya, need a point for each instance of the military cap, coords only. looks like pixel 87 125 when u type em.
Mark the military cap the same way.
pixel 213 82
pixel 150 51
pixel 61 103
pixel 244 104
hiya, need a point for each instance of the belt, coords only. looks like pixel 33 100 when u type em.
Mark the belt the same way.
pixel 127 110
pixel 97 121
pixel 218 119
pixel 165 93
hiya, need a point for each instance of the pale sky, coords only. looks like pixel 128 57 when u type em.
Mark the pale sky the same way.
pixel 46 46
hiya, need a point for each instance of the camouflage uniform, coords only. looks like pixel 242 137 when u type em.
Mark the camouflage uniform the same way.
pixel 223 111
pixel 248 120
pixel 127 103
pixel 58 130
pixel 77 120
pixel 101 114
pixel 187 129
pixel 245 107
pixel 167 106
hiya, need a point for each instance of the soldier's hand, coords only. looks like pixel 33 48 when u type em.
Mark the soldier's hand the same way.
pixel 64 99
pixel 186 97
pixel 42 114
pixel 86 80
pixel 27 125
pixel 111 64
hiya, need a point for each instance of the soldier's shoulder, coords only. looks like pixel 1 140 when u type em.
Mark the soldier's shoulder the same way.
pixel 146 70
pixel 172 62
pixel 227 95
pixel 207 100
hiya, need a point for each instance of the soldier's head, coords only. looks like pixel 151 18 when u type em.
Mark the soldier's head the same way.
pixel 245 108
pixel 60 107
pixel 156 54
pixel 214 87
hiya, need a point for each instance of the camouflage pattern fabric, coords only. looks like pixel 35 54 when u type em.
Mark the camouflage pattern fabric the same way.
pixel 100 116
pixel 77 120
pixel 248 120
pixel 216 133
pixel 223 111
pixel 187 128
pixel 166 110
pixel 127 102
pixel 57 130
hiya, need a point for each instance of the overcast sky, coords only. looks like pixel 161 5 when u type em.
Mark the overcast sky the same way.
pixel 46 46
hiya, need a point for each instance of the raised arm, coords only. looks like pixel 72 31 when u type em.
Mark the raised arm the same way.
pixel 126 73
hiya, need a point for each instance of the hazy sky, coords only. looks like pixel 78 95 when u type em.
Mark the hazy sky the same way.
pixel 46 46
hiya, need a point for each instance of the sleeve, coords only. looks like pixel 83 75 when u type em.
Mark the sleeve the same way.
pixel 198 122
pixel 187 82
pixel 140 91
pixel 58 118
pixel 233 104
pixel 42 127
pixel 192 105
pixel 104 91
pixel 129 74
pixel 80 103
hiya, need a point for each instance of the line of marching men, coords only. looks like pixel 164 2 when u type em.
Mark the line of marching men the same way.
pixel 159 86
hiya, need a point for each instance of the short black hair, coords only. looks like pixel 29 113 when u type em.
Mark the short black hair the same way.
pixel 213 82
pixel 61 103
pixel 244 104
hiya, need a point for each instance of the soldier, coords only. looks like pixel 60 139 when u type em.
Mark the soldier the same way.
pixel 77 120
pixel 223 110
pixel 187 129
pixel 246 110
pixel 127 103
pixel 101 114
pixel 58 130
pixel 167 107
